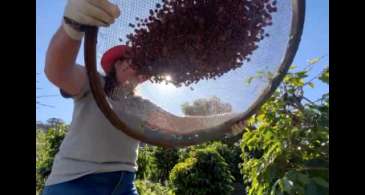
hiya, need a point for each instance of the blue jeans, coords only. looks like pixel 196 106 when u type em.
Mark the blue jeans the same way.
pixel 113 183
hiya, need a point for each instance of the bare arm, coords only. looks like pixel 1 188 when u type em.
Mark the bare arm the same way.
pixel 60 66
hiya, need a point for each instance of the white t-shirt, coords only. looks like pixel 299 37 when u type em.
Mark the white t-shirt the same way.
pixel 92 145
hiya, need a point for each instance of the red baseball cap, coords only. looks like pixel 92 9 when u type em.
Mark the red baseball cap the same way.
pixel 112 55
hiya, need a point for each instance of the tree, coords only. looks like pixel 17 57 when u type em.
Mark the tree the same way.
pixel 53 122
pixel 206 106
pixel 285 145
pixel 41 126
pixel 48 143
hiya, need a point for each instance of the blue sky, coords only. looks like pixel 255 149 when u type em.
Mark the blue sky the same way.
pixel 315 42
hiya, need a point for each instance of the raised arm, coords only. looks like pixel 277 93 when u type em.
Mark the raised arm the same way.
pixel 60 63
pixel 62 51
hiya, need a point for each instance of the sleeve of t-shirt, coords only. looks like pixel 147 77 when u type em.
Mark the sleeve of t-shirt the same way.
pixel 85 90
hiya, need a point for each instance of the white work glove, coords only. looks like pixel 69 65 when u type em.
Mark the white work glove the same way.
pixel 89 12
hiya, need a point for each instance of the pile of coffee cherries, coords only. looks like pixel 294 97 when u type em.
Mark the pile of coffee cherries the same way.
pixel 191 40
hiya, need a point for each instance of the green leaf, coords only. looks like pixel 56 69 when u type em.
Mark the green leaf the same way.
pixel 314 60
pixel 292 67
pixel 297 82
pixel 311 84
pixel 251 142
pixel 268 135
pixel 325 76
pixel 301 74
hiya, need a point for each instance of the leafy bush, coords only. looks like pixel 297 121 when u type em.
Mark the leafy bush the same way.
pixel 186 152
pixel 285 145
pixel 145 187
pixel 47 146
pixel 231 153
pixel 164 159
pixel 203 172
pixel 145 162
pixel 155 163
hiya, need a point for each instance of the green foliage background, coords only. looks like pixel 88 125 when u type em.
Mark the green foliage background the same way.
pixel 286 144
